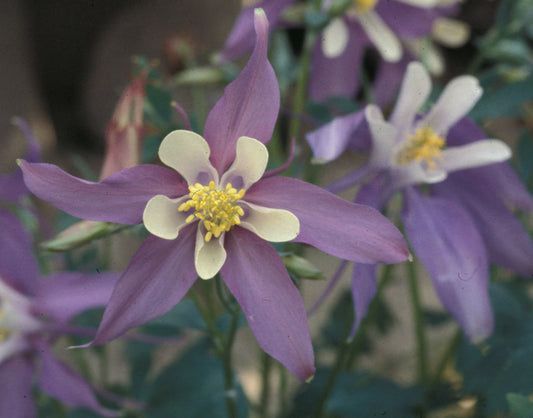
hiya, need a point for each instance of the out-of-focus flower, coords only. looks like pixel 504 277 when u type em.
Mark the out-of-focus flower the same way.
pixel 217 214
pixel 396 28
pixel 464 222
pixel 33 313
pixel 124 133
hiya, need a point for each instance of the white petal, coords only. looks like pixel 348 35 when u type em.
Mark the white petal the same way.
pixel 420 3
pixel 413 173
pixel 459 96
pixel 274 225
pixel 335 38
pixel 209 257
pixel 475 154
pixel 450 32
pixel 12 345
pixel 249 165
pixel 383 138
pixel 426 52
pixel 383 38
pixel 188 154
pixel 415 89
pixel 162 218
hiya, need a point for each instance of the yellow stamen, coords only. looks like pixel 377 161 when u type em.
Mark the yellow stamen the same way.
pixel 424 146
pixel 217 209
pixel 364 5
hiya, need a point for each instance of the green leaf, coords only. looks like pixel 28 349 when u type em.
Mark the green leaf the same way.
pixel 520 406
pixel 193 386
pixel 502 363
pixel 184 315
pixel 157 106
pixel 361 394
pixel 524 155
pixel 503 100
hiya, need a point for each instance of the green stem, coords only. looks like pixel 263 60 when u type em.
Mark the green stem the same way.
pixel 447 356
pixel 419 324
pixel 265 385
pixel 282 391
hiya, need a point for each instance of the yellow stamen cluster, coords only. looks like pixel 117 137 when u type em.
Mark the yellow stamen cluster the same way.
pixel 217 209
pixel 364 5
pixel 424 146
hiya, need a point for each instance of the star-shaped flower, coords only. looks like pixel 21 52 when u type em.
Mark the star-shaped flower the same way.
pixel 217 215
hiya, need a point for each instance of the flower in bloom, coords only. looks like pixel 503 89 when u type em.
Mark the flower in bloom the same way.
pixel 464 221
pixel 215 213
pixel 391 26
pixel 33 313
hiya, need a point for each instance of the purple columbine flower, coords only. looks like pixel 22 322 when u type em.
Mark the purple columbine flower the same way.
pixel 33 313
pixel 394 27
pixel 464 221
pixel 216 212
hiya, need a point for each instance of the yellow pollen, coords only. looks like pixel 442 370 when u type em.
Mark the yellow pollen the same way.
pixel 424 146
pixel 364 5
pixel 216 209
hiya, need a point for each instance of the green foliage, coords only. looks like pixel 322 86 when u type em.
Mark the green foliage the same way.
pixel 502 364
pixel 193 386
pixel 520 406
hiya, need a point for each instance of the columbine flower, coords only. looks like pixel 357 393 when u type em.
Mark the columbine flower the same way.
pixel 217 215
pixel 386 25
pixel 32 314
pixel 464 221
pixel 394 27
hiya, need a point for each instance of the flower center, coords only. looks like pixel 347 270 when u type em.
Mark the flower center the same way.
pixel 364 5
pixel 424 146
pixel 217 209
pixel 3 331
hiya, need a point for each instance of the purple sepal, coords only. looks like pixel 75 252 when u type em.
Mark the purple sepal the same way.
pixel 445 239
pixel 16 397
pixel 339 76
pixel 331 224
pixel 508 243
pixel 60 382
pixel 158 276
pixel 363 289
pixel 331 140
pixel 256 276
pixel 405 20
pixel 64 295
pixel 120 198
pixel 249 105
pixel 18 265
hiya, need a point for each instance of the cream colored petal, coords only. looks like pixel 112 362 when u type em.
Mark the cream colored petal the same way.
pixel 420 3
pixel 209 257
pixel 274 225
pixel 249 166
pixel 15 311
pixel 459 96
pixel 415 90
pixel 335 38
pixel 450 32
pixel 162 218
pixel 188 154
pixel 383 38
pixel 383 138
pixel 475 154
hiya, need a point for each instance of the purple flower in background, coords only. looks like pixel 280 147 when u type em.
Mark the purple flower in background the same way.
pixel 464 221
pixel 394 27
pixel 216 212
pixel 33 313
